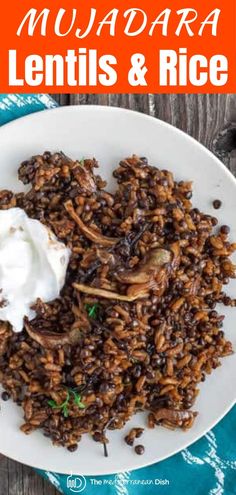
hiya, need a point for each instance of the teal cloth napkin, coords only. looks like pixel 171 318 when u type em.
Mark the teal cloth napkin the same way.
pixel 13 106
pixel 208 467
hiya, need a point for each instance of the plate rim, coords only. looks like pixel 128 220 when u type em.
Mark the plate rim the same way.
pixel 107 108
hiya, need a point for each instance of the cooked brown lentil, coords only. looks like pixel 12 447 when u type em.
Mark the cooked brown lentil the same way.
pixel 139 449
pixel 217 204
pixel 225 229
pixel 135 326
pixel 5 396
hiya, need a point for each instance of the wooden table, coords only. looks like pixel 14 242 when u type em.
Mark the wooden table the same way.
pixel 211 119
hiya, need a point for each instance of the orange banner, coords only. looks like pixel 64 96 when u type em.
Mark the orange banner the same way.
pixel 118 46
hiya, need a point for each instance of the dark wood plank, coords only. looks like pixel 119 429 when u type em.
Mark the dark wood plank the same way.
pixel 17 479
pixel 211 119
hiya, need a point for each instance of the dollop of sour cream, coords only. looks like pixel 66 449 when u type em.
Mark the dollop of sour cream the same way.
pixel 33 265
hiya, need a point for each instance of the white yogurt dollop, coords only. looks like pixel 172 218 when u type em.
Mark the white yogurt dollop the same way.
pixel 33 264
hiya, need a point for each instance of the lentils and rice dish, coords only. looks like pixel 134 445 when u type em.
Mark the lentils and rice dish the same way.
pixel 135 327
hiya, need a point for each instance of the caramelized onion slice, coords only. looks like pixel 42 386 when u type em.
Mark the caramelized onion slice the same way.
pixel 175 249
pixel 174 415
pixel 51 340
pixel 90 233
pixel 109 294
pixel 147 268
pixel 158 285
pixel 106 257
pixel 84 178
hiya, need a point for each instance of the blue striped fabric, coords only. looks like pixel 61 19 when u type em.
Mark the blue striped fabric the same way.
pixel 13 106
pixel 206 468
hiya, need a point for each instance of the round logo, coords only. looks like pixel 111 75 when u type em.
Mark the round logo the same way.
pixel 76 483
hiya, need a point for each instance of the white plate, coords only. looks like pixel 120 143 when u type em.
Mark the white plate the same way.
pixel 110 134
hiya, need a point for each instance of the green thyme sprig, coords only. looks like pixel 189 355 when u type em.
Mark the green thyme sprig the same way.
pixel 77 399
pixel 64 406
pixel 82 161
pixel 92 310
